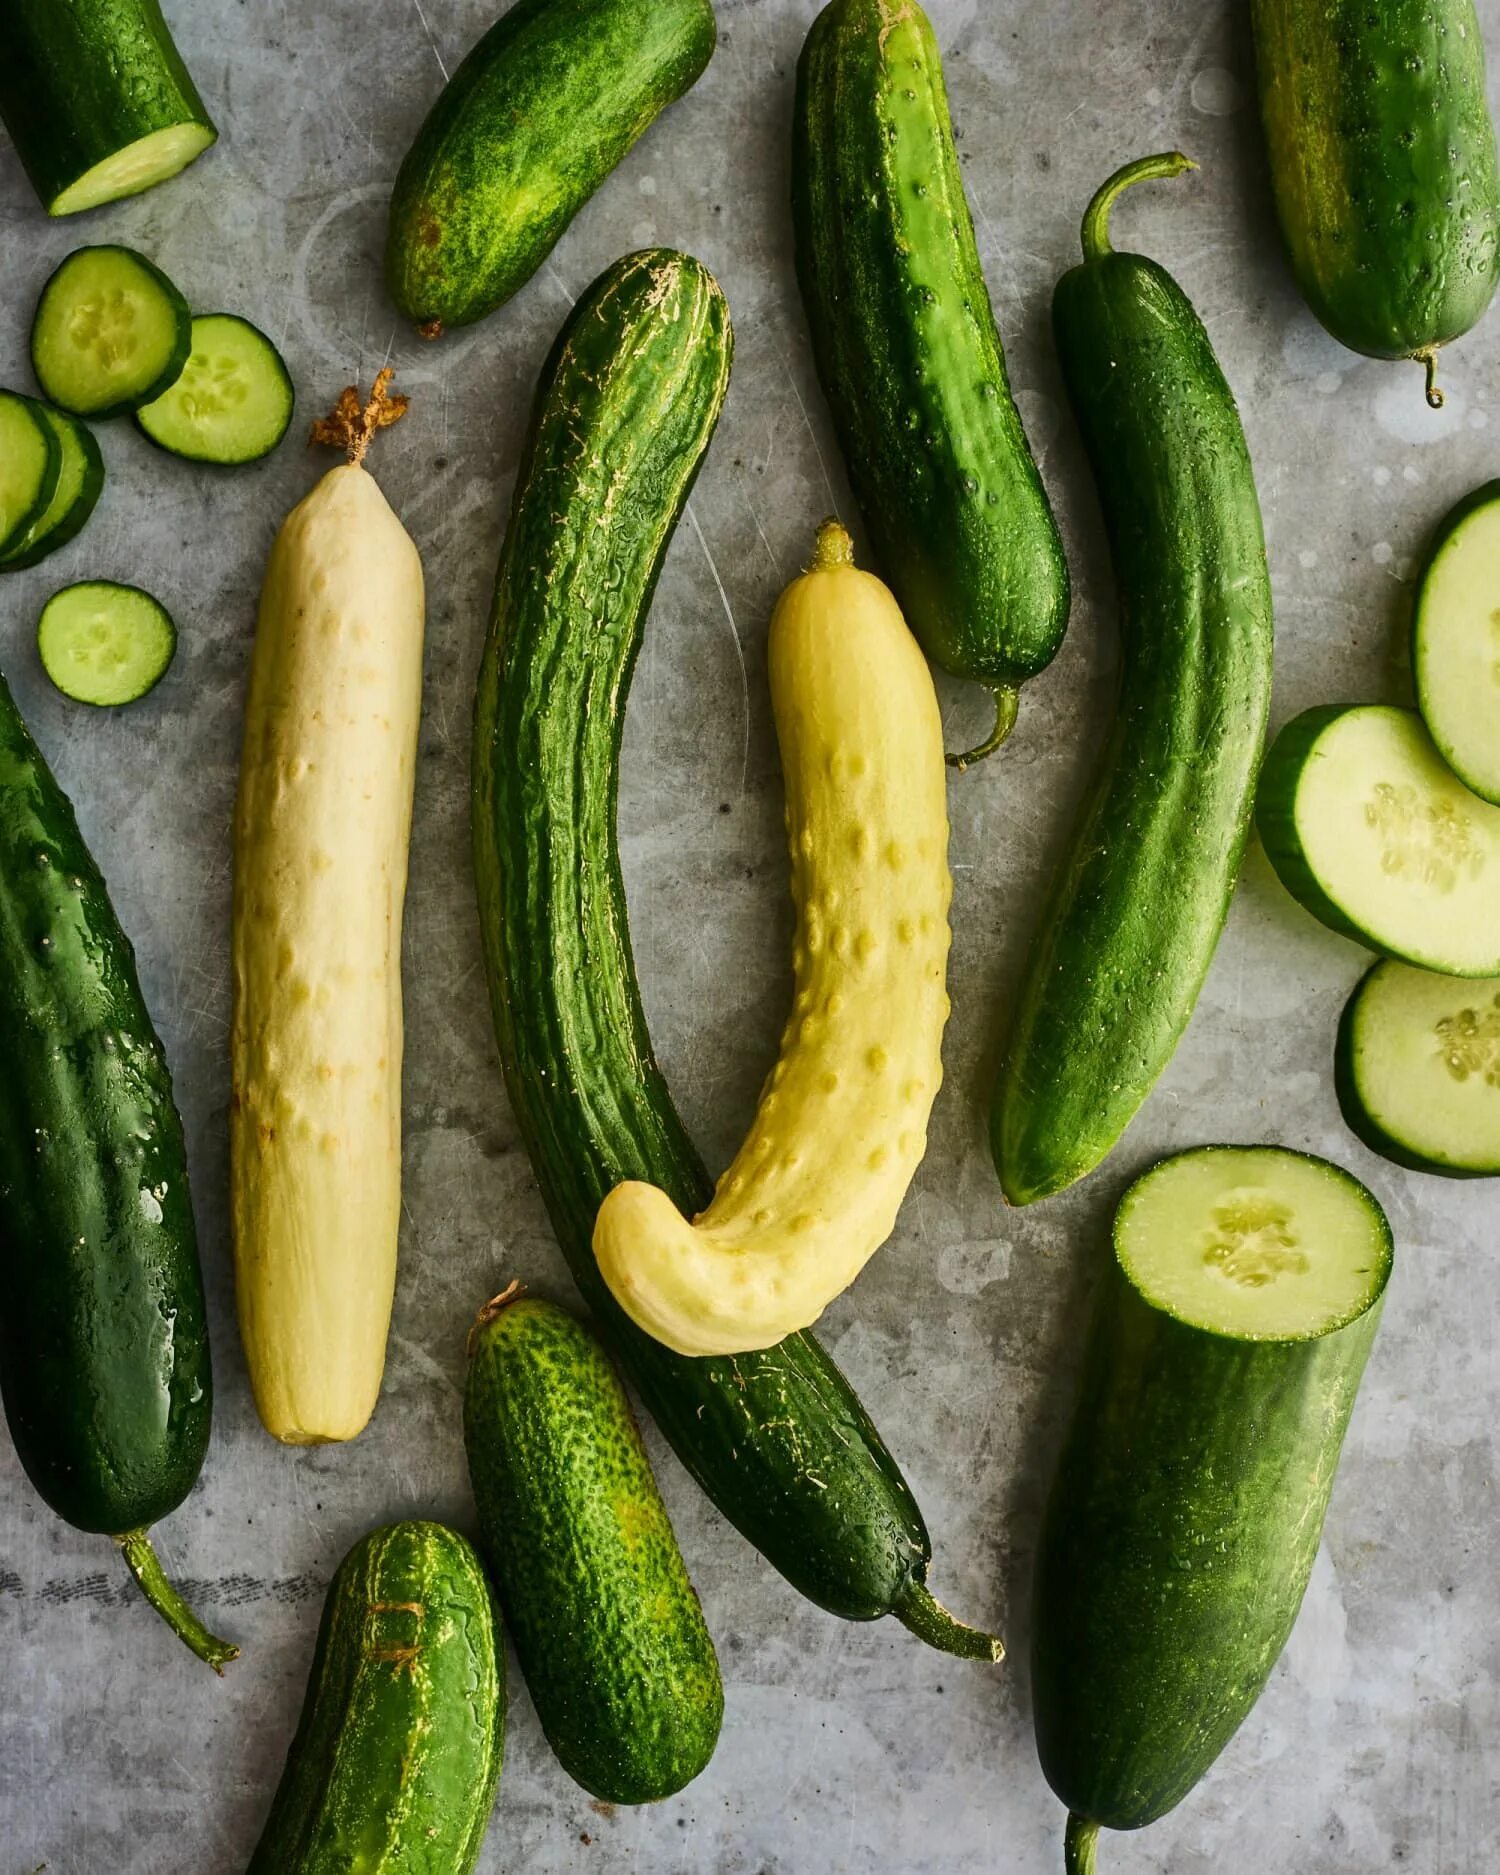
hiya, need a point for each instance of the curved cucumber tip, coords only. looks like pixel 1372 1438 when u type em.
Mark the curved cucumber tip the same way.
pixel 1080 1846
pixel 1095 232
pixel 919 1611
pixel 145 1565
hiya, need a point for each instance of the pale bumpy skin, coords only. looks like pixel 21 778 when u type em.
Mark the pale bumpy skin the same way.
pixel 842 1123
pixel 322 828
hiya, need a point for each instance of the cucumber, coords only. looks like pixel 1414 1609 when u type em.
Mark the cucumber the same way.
pixel 232 401
pixel 1456 641
pixel 111 332
pixel 529 126
pixel 105 644
pixel 80 482
pixel 1241 1304
pixel 104 1358
pixel 626 405
pixel 1417 1069
pixel 96 99
pixel 397 1756
pixel 1368 829
pixel 1111 982
pixel 30 465
pixel 910 357
pixel 605 1622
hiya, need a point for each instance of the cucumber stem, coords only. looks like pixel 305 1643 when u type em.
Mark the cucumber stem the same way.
pixel 145 1566
pixel 497 1305
pixel 1080 1846
pixel 1145 169
pixel 919 1610
pixel 1427 357
pixel 1007 702
pixel 351 426
pixel 833 547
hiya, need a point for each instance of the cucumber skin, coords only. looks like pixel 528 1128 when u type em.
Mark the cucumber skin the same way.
pixel 979 571
pixel 605 1622
pixel 1176 1546
pixel 778 1440
pixel 1377 128
pixel 397 1754
pixel 1110 985
pixel 82 79
pixel 72 522
pixel 544 107
pixel 53 450
pixel 104 1356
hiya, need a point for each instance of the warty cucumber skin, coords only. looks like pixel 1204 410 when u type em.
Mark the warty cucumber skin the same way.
pixel 104 1355
pixel 1142 894
pixel 908 351
pixel 605 1622
pixel 532 122
pixel 397 1754
pixel 1383 165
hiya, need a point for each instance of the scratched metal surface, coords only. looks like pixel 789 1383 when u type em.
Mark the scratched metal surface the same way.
pixel 844 1749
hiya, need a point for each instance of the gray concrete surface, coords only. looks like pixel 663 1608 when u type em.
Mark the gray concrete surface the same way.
pixel 844 1749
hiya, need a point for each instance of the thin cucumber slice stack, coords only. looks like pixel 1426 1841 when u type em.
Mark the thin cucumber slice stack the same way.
pixel 232 402
pixel 30 463
pixel 1456 641
pixel 80 480
pixel 1367 826
pixel 1417 1070
pixel 111 332
pixel 103 643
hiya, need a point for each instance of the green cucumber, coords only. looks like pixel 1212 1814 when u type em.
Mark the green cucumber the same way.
pixel 1456 641
pixel 1111 982
pixel 397 1756
pixel 96 99
pixel 111 332
pixel 1383 167
pixel 1368 828
pixel 910 357
pixel 529 126
pixel 1240 1307
pixel 1417 1069
pixel 105 644
pixel 80 482
pixel 104 1358
pixel 232 401
pixel 30 466
pixel 605 1622
pixel 625 408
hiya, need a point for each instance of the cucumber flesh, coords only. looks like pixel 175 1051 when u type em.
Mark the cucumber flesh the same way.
pixel 80 480
pixel 111 332
pixel 1456 642
pixel 1253 1243
pixel 105 644
pixel 233 400
pixel 156 157
pixel 1368 827
pixel 1418 1070
pixel 30 462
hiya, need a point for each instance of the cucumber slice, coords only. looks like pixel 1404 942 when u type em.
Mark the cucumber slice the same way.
pixel 30 462
pixel 1417 1070
pixel 105 644
pixel 80 480
pixel 1253 1243
pixel 1373 833
pixel 111 332
pixel 1456 641
pixel 233 401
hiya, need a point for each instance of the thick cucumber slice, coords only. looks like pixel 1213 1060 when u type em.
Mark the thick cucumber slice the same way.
pixel 1373 833
pixel 111 332
pixel 155 158
pixel 80 479
pixel 1456 641
pixel 1417 1070
pixel 233 401
pixel 1254 1243
pixel 105 644
pixel 30 462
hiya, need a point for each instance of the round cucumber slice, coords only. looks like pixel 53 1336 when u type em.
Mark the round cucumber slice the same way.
pixel 1253 1243
pixel 233 401
pixel 30 463
pixel 1370 829
pixel 111 332
pixel 1417 1070
pixel 105 644
pixel 1456 641
pixel 80 480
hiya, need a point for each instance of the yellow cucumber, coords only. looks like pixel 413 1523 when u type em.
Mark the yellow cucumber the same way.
pixel 842 1123
pixel 321 833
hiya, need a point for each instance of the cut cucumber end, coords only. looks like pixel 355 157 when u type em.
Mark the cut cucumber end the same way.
pixel 1456 642
pixel 140 165
pixel 105 644
pixel 232 402
pixel 1254 1243
pixel 30 463
pixel 111 332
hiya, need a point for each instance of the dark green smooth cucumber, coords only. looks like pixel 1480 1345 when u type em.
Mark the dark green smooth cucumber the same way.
pixel 910 356
pixel 1143 891
pixel 606 1624
pixel 104 1359
pixel 1383 165
pixel 625 408
pixel 397 1754
pixel 529 126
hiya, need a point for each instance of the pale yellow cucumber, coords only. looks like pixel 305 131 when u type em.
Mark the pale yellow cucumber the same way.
pixel 322 828
pixel 842 1123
